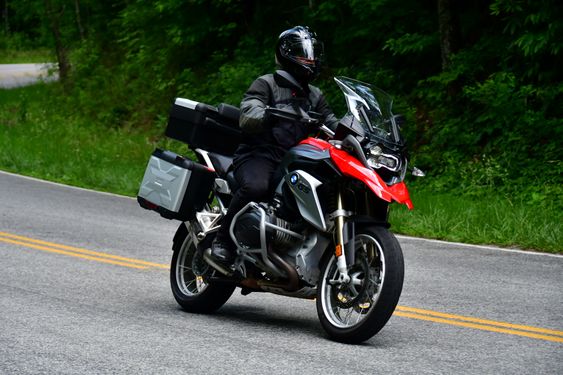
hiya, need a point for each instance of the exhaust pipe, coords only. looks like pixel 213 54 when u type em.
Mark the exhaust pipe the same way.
pixel 291 285
pixel 292 276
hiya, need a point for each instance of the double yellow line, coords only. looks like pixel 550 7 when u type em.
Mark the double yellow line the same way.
pixel 77 252
pixel 402 311
pixel 481 324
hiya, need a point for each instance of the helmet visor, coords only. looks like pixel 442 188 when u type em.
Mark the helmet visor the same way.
pixel 305 51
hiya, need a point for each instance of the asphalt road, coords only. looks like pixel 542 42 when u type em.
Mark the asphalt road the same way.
pixel 15 75
pixel 84 289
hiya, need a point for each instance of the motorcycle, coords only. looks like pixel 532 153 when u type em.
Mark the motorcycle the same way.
pixel 323 235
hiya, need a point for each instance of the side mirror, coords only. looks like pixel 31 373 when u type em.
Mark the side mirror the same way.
pixel 417 172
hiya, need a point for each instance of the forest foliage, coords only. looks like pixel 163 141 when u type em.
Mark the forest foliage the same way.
pixel 480 82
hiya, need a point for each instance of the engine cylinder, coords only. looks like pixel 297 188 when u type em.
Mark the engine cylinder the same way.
pixel 247 230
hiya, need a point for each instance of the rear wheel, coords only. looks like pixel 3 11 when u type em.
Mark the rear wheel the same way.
pixel 355 311
pixel 189 279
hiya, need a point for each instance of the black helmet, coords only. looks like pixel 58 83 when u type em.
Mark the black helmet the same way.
pixel 300 53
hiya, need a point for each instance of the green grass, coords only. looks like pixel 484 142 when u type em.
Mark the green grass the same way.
pixel 26 56
pixel 39 141
pixel 492 219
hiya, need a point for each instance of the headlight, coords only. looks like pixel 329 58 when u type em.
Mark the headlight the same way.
pixel 377 159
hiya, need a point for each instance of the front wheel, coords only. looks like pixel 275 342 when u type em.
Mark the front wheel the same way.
pixel 189 279
pixel 354 312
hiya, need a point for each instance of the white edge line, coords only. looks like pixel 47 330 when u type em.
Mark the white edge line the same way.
pixel 517 251
pixel 484 247
pixel 64 185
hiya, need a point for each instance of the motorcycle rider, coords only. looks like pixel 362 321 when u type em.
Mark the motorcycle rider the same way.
pixel 298 55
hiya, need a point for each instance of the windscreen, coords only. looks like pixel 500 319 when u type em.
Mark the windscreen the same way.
pixel 371 107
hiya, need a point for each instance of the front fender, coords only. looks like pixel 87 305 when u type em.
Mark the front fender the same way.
pixel 352 167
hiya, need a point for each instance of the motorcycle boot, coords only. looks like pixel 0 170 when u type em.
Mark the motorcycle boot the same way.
pixel 223 249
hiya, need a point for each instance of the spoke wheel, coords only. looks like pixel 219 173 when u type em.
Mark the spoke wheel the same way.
pixel 191 270
pixel 355 311
pixel 189 278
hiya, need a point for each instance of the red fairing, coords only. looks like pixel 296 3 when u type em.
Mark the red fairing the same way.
pixel 319 143
pixel 352 167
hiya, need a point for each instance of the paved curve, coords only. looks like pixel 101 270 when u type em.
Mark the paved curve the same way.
pixel 62 313
pixel 15 75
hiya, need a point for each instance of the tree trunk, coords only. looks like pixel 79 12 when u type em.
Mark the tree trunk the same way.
pixel 449 31
pixel 54 18
pixel 78 18
pixel 6 19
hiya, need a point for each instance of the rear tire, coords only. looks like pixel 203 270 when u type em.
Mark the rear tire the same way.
pixel 355 312
pixel 189 278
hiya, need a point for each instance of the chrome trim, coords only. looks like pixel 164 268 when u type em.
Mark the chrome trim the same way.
pixel 339 231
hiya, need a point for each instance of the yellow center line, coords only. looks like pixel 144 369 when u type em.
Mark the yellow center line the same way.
pixel 51 250
pixel 402 311
pixel 479 321
pixel 95 254
pixel 479 326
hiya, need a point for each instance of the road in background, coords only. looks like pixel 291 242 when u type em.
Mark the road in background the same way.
pixel 75 298
pixel 16 75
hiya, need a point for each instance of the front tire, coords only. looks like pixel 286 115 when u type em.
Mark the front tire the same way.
pixel 355 312
pixel 189 278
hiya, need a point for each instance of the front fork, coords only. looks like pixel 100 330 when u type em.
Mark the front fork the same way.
pixel 340 250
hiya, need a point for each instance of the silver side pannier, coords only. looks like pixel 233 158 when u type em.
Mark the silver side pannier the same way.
pixel 174 186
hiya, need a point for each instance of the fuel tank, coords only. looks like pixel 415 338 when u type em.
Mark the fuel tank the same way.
pixel 306 157
pixel 307 171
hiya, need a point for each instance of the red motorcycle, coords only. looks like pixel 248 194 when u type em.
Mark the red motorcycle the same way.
pixel 323 235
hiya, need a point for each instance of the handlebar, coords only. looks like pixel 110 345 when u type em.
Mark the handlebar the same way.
pixel 291 114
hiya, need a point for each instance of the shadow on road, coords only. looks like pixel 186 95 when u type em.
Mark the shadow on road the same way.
pixel 252 317
pixel 244 314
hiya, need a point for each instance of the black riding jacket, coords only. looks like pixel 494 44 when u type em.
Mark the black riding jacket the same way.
pixel 271 136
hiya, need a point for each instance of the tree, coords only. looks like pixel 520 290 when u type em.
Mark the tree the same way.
pixel 5 17
pixel 449 31
pixel 54 15
pixel 79 19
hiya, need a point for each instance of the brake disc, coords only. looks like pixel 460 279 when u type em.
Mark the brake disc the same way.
pixel 348 295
